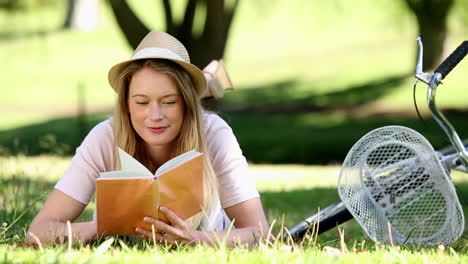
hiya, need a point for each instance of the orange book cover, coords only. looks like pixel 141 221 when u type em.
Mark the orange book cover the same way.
pixel 124 198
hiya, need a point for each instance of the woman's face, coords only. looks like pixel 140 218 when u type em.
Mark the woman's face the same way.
pixel 156 107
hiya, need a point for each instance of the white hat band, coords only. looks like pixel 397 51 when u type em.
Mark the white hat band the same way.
pixel 156 52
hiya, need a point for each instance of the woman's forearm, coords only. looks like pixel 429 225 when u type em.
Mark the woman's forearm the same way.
pixel 56 232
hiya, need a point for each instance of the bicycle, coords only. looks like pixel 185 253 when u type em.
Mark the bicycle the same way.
pixel 393 182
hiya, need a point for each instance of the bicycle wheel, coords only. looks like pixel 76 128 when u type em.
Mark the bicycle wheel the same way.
pixel 328 218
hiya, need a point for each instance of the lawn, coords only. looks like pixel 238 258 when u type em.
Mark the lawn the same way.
pixel 278 254
pixel 289 194
pixel 311 78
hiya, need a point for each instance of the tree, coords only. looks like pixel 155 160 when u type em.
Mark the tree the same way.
pixel 203 48
pixel 431 16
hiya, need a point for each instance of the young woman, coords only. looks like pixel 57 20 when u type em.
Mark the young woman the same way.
pixel 158 116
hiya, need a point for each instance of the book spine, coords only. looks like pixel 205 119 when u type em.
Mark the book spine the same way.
pixel 156 198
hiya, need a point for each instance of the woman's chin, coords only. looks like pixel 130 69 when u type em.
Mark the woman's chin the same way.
pixel 157 142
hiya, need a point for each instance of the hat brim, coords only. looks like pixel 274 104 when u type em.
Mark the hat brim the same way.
pixel 197 76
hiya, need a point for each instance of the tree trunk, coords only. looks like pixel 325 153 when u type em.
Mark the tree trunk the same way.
pixel 132 27
pixel 431 16
pixel 202 49
pixel 433 36
pixel 69 15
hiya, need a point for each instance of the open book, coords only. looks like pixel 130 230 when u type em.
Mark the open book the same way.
pixel 124 198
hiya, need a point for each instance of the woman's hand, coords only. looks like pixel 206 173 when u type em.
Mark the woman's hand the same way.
pixel 177 231
pixel 89 231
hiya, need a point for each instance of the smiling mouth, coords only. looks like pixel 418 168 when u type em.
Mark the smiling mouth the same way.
pixel 157 129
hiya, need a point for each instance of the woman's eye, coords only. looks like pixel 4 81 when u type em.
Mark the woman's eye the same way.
pixel 141 103
pixel 169 102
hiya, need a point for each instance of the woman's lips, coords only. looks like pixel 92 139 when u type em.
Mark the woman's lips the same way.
pixel 157 129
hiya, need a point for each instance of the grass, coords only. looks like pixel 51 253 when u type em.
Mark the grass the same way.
pixel 311 78
pixel 239 255
pixel 315 138
pixel 312 138
pixel 289 192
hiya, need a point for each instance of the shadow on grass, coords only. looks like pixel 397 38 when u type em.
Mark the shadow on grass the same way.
pixel 59 136
pixel 21 199
pixel 304 138
pixel 294 96
pixel 317 138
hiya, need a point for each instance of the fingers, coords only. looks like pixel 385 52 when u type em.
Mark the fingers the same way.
pixel 159 236
pixel 162 232
pixel 174 220
pixel 177 231
pixel 149 234
pixel 159 226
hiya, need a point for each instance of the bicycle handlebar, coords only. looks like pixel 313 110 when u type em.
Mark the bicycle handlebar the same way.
pixel 433 80
pixel 451 61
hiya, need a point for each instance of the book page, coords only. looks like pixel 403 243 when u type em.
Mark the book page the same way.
pixel 174 162
pixel 123 175
pixel 129 163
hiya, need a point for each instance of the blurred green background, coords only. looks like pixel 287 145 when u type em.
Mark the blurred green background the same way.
pixel 311 77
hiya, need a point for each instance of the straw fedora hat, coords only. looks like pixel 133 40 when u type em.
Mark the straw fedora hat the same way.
pixel 161 45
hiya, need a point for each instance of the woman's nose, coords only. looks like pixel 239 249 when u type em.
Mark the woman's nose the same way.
pixel 155 112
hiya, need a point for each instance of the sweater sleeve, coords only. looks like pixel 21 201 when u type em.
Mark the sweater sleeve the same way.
pixel 94 155
pixel 230 165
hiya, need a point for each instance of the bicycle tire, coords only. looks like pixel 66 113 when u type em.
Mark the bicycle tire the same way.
pixel 328 218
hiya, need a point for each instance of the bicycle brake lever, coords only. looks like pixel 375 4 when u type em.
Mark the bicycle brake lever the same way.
pixel 420 75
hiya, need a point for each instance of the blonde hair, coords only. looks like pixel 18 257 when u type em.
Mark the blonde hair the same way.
pixel 191 135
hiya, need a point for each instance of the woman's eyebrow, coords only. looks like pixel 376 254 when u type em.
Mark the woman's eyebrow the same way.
pixel 164 96
pixel 135 95
pixel 172 94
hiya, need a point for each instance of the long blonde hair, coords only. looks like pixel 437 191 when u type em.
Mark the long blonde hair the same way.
pixel 191 135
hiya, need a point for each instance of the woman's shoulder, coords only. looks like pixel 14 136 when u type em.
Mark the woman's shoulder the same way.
pixel 213 122
pixel 105 125
pixel 218 133
pixel 102 128
pixel 100 134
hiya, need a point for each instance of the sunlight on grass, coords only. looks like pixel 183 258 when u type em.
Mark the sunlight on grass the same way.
pixel 289 192
pixel 277 253
pixel 290 177
pixel 44 167
pixel 268 177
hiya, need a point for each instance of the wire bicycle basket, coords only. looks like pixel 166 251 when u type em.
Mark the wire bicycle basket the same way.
pixel 395 186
